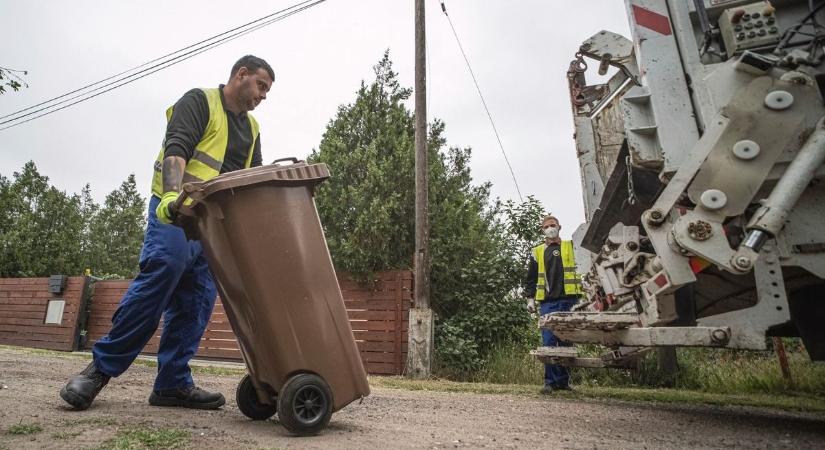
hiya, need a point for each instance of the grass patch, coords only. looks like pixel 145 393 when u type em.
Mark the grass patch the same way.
pixel 777 401
pixel 199 369
pixel 196 368
pixel 721 371
pixel 24 428
pixel 219 371
pixel 145 438
pixel 95 421
pixel 784 402
pixel 509 364
pixel 706 376
pixel 65 435
pixel 441 385
pixel 42 352
pixel 718 370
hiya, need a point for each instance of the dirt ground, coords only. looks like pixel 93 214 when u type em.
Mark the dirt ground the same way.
pixel 387 419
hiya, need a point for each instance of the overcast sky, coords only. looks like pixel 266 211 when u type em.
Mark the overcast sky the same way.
pixel 519 51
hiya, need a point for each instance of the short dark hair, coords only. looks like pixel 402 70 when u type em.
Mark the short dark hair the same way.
pixel 252 63
pixel 550 217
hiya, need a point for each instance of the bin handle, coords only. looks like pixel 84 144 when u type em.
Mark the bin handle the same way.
pixel 189 188
pixel 179 201
pixel 185 193
pixel 289 158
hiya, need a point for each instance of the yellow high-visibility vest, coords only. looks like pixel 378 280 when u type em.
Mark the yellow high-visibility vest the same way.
pixel 572 280
pixel 207 160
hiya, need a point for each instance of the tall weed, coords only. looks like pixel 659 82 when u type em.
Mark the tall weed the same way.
pixel 720 371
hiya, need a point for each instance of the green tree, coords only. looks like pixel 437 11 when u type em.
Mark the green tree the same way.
pixel 11 78
pixel 367 208
pixel 480 300
pixel 88 209
pixel 116 232
pixel 523 222
pixel 6 219
pixel 8 213
pixel 39 226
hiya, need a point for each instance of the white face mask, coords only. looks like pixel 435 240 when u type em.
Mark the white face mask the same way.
pixel 551 232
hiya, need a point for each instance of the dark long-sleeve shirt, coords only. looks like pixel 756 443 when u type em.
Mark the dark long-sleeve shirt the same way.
pixel 554 288
pixel 186 127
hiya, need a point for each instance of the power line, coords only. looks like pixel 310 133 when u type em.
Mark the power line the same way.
pixel 194 50
pixel 444 8
pixel 153 61
pixel 162 65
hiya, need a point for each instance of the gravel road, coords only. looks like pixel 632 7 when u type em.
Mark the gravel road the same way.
pixel 387 419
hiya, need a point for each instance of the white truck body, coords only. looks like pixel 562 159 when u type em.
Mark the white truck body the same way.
pixel 701 161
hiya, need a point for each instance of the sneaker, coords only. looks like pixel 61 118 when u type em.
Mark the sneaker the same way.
pixel 546 390
pixel 189 397
pixel 82 388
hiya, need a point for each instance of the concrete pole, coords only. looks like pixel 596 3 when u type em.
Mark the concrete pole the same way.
pixel 422 225
pixel 420 347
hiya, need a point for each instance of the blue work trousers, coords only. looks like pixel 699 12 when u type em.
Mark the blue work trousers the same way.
pixel 174 282
pixel 554 374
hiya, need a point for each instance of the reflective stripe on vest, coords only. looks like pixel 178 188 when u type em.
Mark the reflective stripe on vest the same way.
pixel 207 160
pixel 572 280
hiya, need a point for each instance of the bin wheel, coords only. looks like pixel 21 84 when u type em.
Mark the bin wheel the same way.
pixel 305 404
pixel 248 403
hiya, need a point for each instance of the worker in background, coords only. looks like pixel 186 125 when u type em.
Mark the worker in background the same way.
pixel 208 132
pixel 553 284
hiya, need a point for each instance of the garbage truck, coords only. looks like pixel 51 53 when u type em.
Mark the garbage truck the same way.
pixel 701 164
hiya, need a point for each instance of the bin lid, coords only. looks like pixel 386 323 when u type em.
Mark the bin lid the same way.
pixel 297 174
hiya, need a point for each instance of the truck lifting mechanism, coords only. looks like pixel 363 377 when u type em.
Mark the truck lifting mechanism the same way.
pixel 701 160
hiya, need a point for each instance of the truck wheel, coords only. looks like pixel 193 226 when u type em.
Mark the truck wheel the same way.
pixel 305 404
pixel 248 403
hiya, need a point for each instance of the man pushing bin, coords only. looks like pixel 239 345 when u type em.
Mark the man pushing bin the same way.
pixel 208 132
pixel 257 230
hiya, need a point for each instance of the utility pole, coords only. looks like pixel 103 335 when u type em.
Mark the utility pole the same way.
pixel 420 342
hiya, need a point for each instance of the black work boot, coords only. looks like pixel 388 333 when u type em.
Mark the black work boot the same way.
pixel 190 397
pixel 82 388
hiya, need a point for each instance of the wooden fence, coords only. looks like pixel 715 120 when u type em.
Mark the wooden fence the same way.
pixel 32 316
pixel 378 315
pixel 379 318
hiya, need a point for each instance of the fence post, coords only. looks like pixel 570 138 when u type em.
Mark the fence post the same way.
pixel 399 321
pixel 83 310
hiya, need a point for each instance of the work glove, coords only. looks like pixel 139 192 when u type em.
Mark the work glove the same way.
pixel 166 211
pixel 531 305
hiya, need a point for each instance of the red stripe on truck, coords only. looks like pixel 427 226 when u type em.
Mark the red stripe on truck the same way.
pixel 651 20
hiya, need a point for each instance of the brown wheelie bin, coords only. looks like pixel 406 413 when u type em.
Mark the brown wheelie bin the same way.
pixel 264 242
